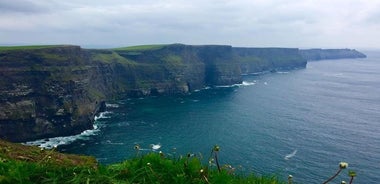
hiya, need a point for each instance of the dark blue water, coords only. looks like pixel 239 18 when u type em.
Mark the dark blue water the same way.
pixel 324 114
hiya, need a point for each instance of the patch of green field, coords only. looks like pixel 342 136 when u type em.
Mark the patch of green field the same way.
pixel 141 47
pixel 109 57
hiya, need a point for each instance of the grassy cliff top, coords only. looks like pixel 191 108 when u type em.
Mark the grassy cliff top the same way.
pixel 141 47
pixel 31 47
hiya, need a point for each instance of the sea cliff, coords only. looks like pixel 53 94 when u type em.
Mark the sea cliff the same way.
pixel 48 91
pixel 320 54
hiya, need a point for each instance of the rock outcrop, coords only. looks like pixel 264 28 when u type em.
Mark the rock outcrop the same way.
pixel 52 91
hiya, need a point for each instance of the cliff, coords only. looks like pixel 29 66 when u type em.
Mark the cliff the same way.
pixel 255 60
pixel 48 91
pixel 320 54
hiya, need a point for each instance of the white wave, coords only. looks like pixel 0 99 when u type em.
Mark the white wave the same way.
pixel 114 143
pixel 112 105
pixel 288 156
pixel 246 83
pixel 227 86
pixel 102 115
pixel 155 146
pixel 54 142
pixel 282 72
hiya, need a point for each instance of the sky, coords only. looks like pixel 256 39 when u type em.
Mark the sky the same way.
pixel 247 23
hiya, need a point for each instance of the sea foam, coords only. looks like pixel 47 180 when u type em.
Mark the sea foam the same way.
pixel 53 142
pixel 103 115
pixel 109 105
pixel 289 156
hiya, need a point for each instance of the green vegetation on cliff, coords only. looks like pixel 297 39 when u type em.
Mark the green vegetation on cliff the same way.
pixel 29 47
pixel 142 47
pixel 26 164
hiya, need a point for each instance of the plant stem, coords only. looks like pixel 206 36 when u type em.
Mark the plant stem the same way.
pixel 216 160
pixel 352 179
pixel 336 174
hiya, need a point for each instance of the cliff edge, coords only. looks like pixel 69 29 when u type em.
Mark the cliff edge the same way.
pixel 49 91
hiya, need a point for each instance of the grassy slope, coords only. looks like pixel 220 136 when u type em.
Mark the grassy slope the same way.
pixel 25 164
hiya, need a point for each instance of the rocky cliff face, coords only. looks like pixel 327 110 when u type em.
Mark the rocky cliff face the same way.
pixel 45 92
pixel 320 54
pixel 254 60
pixel 57 90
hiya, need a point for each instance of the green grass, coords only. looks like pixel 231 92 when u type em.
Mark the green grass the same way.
pixel 141 47
pixel 28 47
pixel 25 164
pixel 110 57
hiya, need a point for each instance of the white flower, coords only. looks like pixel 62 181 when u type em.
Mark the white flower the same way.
pixel 343 165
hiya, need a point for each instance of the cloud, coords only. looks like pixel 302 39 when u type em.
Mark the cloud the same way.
pixel 308 23
pixel 19 6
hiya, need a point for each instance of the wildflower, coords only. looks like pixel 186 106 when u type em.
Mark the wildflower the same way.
pixel 216 148
pixel 49 157
pixel 343 165
pixel 137 147
pixel 148 164
pixel 352 174
pixel 201 171
pixel 343 182
pixel 290 179
pixel 161 154
pixel 210 161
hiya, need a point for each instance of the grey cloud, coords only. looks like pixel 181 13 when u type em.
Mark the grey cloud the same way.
pixel 20 6
pixel 240 22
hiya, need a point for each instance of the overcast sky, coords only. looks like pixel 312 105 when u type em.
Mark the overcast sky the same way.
pixel 256 23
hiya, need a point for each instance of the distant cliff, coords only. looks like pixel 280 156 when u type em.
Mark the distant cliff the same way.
pixel 48 91
pixel 255 60
pixel 320 54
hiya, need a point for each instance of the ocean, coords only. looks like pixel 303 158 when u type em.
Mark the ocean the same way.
pixel 300 122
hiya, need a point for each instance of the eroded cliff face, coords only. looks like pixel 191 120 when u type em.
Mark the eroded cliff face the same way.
pixel 254 60
pixel 57 90
pixel 45 92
